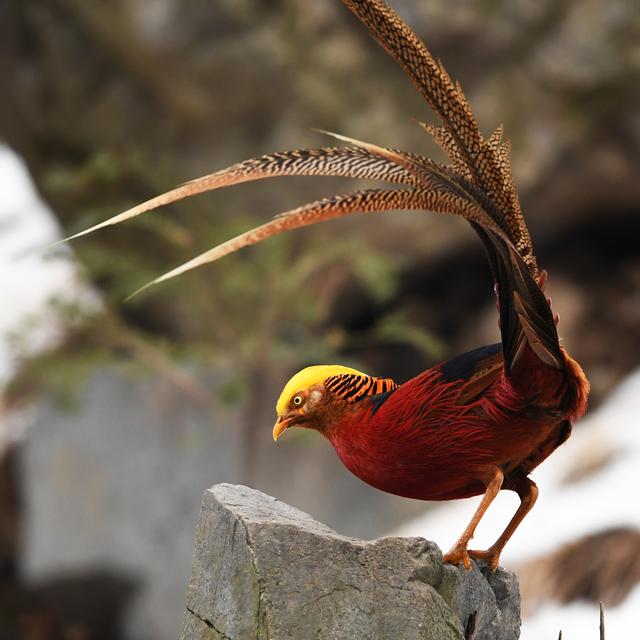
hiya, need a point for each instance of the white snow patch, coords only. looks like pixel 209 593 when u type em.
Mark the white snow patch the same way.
pixel 29 276
pixel 580 621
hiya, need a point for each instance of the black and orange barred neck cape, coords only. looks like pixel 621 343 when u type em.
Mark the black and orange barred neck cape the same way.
pixel 343 383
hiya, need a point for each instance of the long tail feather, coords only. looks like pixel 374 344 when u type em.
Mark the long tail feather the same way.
pixel 427 75
pixel 477 185
pixel 427 172
pixel 351 162
pixel 484 160
pixel 435 175
pixel 525 315
pixel 431 174
pixel 368 201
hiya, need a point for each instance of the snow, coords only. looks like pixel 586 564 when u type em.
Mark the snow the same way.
pixel 29 276
pixel 579 621
pixel 564 512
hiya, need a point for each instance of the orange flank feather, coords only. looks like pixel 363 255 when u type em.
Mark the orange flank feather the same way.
pixel 480 422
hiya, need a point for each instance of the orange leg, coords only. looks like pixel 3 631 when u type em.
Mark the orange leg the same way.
pixel 528 492
pixel 458 553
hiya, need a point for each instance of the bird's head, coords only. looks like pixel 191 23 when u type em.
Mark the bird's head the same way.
pixel 307 400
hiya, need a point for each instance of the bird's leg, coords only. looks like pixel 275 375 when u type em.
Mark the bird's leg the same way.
pixel 458 553
pixel 528 492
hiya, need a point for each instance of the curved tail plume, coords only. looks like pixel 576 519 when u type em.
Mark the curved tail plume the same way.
pixel 476 185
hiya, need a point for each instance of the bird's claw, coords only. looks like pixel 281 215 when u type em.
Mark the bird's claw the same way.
pixel 458 555
pixel 490 557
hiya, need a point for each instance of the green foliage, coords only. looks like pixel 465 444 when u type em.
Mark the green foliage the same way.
pixel 377 273
pixel 398 327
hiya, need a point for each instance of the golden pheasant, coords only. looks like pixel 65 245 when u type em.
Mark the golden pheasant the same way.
pixel 475 424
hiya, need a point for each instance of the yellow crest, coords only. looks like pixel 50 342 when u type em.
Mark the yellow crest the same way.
pixel 307 378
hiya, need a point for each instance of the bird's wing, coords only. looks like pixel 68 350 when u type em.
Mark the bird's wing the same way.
pixel 477 370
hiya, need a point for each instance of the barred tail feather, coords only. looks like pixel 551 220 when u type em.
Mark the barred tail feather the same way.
pixel 477 185
pixel 352 162
pixel 368 201
pixel 481 161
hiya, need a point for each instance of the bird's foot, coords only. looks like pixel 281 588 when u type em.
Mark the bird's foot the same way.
pixel 491 557
pixel 458 555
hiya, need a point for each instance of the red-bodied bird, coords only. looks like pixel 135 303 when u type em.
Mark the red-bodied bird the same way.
pixel 475 424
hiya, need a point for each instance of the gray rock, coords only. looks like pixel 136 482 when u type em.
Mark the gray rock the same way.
pixel 263 570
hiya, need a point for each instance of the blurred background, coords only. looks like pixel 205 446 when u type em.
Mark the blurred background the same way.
pixel 116 417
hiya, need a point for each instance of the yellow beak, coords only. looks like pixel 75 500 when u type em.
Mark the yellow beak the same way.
pixel 280 426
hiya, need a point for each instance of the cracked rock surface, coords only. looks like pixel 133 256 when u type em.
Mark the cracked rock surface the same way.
pixel 266 571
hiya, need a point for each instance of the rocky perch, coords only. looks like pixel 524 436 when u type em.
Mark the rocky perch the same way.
pixel 263 570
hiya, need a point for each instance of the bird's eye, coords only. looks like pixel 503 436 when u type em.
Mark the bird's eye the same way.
pixel 297 400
